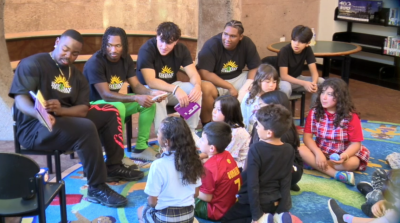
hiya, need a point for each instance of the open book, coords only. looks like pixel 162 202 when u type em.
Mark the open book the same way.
pixel 40 108
pixel 187 111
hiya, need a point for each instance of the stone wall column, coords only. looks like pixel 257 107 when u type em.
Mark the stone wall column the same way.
pixel 6 76
pixel 213 15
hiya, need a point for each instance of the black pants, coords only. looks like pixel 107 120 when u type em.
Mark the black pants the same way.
pixel 296 175
pixel 82 136
pixel 241 213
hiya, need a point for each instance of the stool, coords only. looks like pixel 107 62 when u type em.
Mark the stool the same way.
pixel 293 98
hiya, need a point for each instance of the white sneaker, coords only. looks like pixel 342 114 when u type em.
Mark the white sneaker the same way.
pixel 147 155
pixel 283 217
pixel 266 218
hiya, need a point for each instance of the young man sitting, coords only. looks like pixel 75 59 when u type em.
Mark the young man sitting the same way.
pixel 221 181
pixel 291 60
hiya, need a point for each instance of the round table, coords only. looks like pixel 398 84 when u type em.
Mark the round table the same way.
pixel 328 50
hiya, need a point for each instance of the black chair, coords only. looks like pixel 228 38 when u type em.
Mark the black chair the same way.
pixel 293 98
pixel 128 123
pixel 22 190
pixel 273 60
pixel 56 153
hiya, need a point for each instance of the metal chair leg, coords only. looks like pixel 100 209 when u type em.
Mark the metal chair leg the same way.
pixel 63 204
pixel 302 107
pixel 128 129
pixel 49 164
pixel 58 165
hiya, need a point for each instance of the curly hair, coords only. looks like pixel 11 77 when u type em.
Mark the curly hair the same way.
pixel 344 105
pixel 230 108
pixel 264 72
pixel 177 132
pixel 280 98
pixel 168 32
pixel 115 31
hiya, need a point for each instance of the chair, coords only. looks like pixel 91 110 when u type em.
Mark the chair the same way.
pixel 21 150
pixel 128 123
pixel 293 98
pixel 23 191
pixel 273 60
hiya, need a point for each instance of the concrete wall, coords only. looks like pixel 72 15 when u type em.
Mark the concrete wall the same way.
pixel 265 21
pixel 213 15
pixel 6 75
pixel 38 15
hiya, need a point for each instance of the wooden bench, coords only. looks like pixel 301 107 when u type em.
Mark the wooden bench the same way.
pixel 22 45
pixel 79 62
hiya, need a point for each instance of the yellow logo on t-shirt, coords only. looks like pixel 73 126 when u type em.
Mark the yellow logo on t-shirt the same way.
pixel 115 83
pixel 228 160
pixel 61 84
pixel 166 73
pixel 230 66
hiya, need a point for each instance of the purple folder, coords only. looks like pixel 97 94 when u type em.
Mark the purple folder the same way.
pixel 187 111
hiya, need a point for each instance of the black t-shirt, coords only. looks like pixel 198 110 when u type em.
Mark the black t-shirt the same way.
pixel 289 137
pixel 294 62
pixel 213 57
pixel 166 67
pixel 98 69
pixel 40 72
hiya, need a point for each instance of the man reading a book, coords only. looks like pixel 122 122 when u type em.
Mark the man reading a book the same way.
pixel 75 124
pixel 159 60
pixel 106 71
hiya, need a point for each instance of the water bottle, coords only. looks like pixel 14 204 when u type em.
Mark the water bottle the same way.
pixel 314 38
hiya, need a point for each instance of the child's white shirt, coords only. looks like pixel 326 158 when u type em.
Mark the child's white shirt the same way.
pixel 165 182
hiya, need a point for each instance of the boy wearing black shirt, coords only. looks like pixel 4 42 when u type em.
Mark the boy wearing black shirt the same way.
pixel 159 60
pixel 106 71
pixel 75 125
pixel 291 60
pixel 267 177
pixel 222 60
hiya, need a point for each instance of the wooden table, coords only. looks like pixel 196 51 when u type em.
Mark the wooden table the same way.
pixel 328 50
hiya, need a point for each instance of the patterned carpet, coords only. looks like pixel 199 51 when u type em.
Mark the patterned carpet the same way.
pixel 309 205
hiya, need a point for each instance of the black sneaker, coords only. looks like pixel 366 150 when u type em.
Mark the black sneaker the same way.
pixel 295 188
pixel 103 194
pixel 124 174
pixel 336 212
pixel 364 187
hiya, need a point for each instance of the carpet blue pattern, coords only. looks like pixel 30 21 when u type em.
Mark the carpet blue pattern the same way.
pixel 309 205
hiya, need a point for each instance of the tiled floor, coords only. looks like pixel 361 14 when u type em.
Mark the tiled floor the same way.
pixel 375 103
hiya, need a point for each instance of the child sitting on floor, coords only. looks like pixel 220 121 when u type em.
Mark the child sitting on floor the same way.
pixel 174 179
pixel 266 180
pixel 291 136
pixel 221 180
pixel 266 80
pixel 383 200
pixel 227 109
pixel 336 126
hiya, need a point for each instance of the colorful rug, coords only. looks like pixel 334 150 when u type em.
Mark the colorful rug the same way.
pixel 309 205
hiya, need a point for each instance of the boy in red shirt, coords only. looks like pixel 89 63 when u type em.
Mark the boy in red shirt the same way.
pixel 221 180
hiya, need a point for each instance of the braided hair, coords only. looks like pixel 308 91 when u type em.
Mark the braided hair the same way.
pixel 115 31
